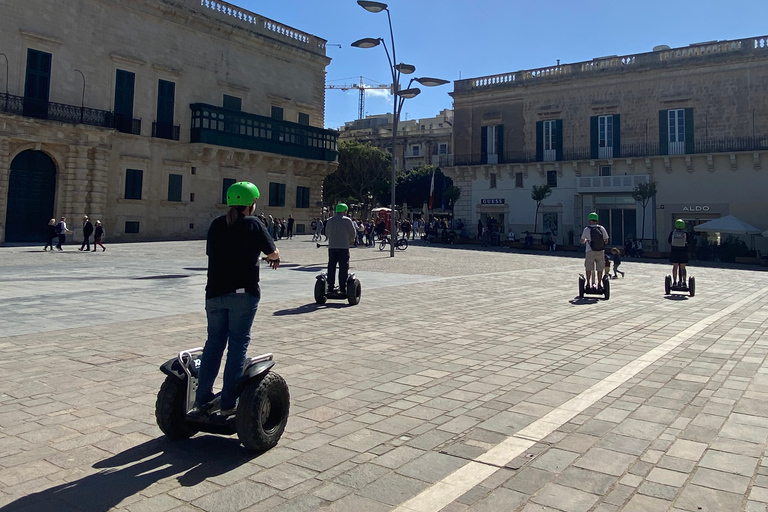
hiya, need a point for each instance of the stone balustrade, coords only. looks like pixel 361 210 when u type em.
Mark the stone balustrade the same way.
pixel 613 62
pixel 257 23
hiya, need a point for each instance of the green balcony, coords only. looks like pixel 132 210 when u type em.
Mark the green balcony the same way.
pixel 231 128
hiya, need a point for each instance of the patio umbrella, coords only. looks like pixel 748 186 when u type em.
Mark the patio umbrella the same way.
pixel 728 224
pixel 765 233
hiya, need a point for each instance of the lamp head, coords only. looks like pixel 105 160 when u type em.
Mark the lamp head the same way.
pixel 367 42
pixel 409 93
pixel 372 6
pixel 405 69
pixel 431 82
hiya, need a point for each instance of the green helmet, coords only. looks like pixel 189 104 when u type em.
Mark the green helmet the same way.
pixel 341 208
pixel 242 193
pixel 680 224
pixel 593 216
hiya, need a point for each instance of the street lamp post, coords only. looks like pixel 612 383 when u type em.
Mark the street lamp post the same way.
pixel 400 95
pixel 82 99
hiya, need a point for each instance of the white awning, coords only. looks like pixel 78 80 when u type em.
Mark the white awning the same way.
pixel 728 224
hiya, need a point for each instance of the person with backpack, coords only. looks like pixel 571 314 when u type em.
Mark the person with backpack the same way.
pixel 678 255
pixel 62 231
pixel 595 237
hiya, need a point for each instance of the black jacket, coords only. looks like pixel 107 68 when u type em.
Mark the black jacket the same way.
pixel 87 229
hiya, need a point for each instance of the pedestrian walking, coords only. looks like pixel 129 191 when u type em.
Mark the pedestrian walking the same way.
pixel 291 221
pixel 51 234
pixel 616 257
pixel 62 231
pixel 87 232
pixel 98 236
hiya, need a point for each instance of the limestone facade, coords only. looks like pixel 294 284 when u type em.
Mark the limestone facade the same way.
pixel 207 53
pixel 692 119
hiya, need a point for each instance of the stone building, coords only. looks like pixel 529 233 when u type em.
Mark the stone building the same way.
pixel 142 112
pixel 692 119
pixel 419 141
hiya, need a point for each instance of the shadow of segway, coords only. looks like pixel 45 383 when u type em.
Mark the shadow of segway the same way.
pixel 134 470
pixel 676 297
pixel 580 301
pixel 309 308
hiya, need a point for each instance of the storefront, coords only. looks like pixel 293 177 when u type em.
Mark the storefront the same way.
pixel 493 212
pixel 693 214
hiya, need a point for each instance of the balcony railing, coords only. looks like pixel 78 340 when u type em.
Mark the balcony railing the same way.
pixel 224 127
pixel 60 112
pixel 631 150
pixel 595 184
pixel 165 131
pixel 126 124
pixel 613 63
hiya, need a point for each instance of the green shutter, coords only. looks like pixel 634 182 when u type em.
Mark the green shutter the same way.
pixel 500 142
pixel 664 132
pixel 225 184
pixel 616 136
pixel 558 139
pixel 594 135
pixel 174 187
pixel 484 145
pixel 539 141
pixel 689 144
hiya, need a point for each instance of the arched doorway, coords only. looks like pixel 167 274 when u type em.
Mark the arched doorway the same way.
pixel 31 191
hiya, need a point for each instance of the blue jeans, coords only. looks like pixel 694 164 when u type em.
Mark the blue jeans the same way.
pixel 229 317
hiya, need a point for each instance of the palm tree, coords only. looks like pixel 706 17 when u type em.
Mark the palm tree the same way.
pixel 538 194
pixel 643 193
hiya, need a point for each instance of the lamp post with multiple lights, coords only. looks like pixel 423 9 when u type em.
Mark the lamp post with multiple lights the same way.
pixel 400 95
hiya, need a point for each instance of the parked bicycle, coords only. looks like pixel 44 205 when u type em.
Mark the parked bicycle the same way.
pixel 402 243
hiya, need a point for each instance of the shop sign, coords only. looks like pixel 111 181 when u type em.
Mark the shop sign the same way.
pixel 492 201
pixel 696 208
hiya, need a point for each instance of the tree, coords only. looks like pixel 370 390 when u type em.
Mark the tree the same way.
pixel 363 171
pixel 538 194
pixel 643 193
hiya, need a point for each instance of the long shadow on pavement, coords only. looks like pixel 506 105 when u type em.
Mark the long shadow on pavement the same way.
pixel 194 460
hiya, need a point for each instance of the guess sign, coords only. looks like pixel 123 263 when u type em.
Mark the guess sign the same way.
pixel 492 201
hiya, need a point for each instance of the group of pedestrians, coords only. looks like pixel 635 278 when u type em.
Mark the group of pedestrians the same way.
pixel 278 228
pixel 58 231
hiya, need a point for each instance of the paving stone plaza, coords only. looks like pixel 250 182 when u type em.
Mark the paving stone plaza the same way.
pixel 465 380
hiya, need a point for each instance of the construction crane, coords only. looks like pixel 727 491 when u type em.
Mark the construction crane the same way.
pixel 361 87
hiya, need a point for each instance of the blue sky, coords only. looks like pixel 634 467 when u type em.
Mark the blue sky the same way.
pixel 460 38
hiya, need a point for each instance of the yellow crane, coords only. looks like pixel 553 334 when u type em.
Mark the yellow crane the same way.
pixel 361 87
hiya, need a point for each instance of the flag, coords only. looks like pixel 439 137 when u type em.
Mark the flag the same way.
pixel 432 191
pixel 445 185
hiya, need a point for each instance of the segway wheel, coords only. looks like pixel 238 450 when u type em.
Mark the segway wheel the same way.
pixel 354 290
pixel 606 288
pixel 320 296
pixel 581 287
pixel 667 284
pixel 692 286
pixel 169 409
pixel 262 412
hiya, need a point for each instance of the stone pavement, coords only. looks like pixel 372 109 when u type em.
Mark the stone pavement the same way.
pixel 464 380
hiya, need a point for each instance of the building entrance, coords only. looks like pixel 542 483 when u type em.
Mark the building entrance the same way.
pixel 31 191
pixel 620 224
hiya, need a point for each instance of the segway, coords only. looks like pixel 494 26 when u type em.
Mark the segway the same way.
pixel 586 289
pixel 262 411
pixel 681 287
pixel 322 293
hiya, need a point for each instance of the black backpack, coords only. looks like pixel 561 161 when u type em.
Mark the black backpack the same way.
pixel 596 240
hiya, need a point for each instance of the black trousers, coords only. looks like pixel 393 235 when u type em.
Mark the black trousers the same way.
pixel 86 242
pixel 340 257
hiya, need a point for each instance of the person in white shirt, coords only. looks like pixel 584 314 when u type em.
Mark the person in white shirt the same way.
pixel 595 237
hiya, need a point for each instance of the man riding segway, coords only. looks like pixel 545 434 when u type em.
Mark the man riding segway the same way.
pixel 341 233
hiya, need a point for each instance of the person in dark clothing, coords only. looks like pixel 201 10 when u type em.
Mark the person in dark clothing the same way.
pixel 87 232
pixel 234 246
pixel 52 235
pixel 97 236
pixel 341 233
pixel 629 247
pixel 480 229
pixel 291 221
pixel 62 231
